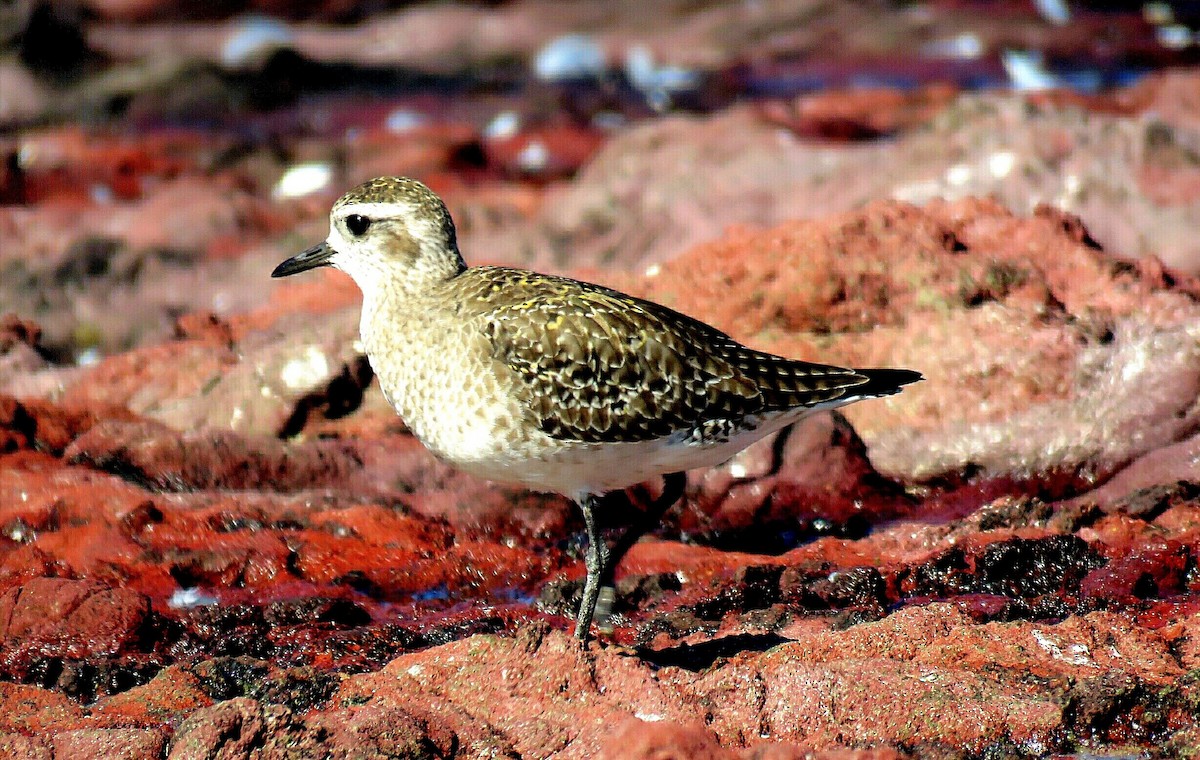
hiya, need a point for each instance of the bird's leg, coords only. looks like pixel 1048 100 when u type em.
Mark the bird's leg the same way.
pixel 673 485
pixel 777 447
pixel 596 558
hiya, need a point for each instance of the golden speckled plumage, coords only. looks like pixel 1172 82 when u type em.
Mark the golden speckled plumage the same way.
pixel 552 383
pixel 599 366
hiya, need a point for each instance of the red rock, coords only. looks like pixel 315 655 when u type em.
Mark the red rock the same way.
pixel 764 296
pixel 1170 95
pixel 637 739
pixel 204 326
pixel 635 202
pixel 1184 743
pixel 71 161
pixel 424 151
pixel 131 10
pixel 387 731
pixel 233 727
pixel 24 563
pixel 105 273
pixel 27 100
pixel 322 292
pixel 72 521
pixel 172 695
pixel 14 330
pixel 823 476
pixel 546 153
pixel 861 113
pixel 32 710
pixel 266 383
pixel 794 752
pixel 73 618
pixel 1149 571
pixel 18 747
pixel 29 424
pixel 1180 522
pixel 326 558
pixel 921 656
pixel 160 456
pixel 241 727
pixel 1154 471
pixel 533 695
pixel 1079 647
pixel 864 694
pixel 1187 641
pixel 116 743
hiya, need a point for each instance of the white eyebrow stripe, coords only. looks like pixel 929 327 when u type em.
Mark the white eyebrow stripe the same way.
pixel 374 210
pixel 425 229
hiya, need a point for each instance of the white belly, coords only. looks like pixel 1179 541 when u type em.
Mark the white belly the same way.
pixel 573 468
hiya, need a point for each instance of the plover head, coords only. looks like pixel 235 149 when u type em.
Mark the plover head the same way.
pixel 392 230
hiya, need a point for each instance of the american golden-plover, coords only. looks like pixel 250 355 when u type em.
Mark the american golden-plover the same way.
pixel 551 383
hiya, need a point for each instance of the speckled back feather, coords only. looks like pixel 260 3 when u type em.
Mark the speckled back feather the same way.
pixel 601 366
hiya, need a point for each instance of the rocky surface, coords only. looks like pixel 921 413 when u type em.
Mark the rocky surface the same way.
pixel 1128 170
pixel 186 585
pixel 218 541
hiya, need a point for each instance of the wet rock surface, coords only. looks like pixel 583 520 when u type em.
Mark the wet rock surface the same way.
pixel 218 541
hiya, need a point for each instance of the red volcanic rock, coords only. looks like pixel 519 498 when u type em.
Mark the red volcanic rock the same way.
pixel 72 162
pixel 116 237
pixel 859 114
pixel 1170 95
pixel 35 711
pixel 425 151
pixel 19 747
pixel 35 424
pixel 457 40
pixel 26 99
pixel 636 203
pixel 864 695
pixel 545 153
pixel 1150 571
pixel 532 695
pixel 21 356
pixel 265 382
pixel 1040 326
pixel 14 330
pixel 243 726
pixel 233 727
pixel 131 10
pixel 1151 482
pixel 325 520
pixel 155 454
pixel 387 731
pixel 535 691
pixel 818 475
pixel 929 655
pixel 165 700
pixel 74 618
pixel 90 743
pixel 638 739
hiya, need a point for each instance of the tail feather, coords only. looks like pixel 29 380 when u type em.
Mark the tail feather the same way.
pixel 884 382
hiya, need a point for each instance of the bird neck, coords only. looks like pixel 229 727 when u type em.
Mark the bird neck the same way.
pixel 394 293
pixel 401 280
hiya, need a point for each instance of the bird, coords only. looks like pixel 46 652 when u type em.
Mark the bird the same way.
pixel 554 384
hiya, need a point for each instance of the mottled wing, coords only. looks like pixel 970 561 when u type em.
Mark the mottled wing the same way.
pixel 597 365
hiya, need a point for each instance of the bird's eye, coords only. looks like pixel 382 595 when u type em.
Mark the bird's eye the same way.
pixel 357 224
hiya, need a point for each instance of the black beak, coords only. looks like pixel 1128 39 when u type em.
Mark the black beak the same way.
pixel 317 256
